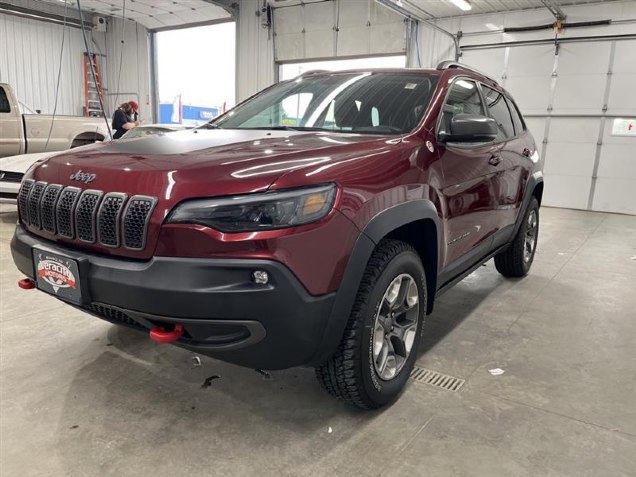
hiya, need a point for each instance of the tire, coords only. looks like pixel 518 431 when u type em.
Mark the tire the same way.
pixel 517 259
pixel 355 373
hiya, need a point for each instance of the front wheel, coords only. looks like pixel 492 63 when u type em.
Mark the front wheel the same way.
pixel 380 343
pixel 517 259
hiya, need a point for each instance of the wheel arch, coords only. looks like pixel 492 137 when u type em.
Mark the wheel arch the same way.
pixel 86 137
pixel 404 222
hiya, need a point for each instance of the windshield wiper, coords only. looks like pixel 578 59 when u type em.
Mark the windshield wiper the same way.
pixel 209 126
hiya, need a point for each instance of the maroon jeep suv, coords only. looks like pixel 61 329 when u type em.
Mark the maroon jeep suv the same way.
pixel 314 224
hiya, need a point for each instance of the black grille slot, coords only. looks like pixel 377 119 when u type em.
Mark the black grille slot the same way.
pixel 8 176
pixel 85 214
pixel 113 314
pixel 136 220
pixel 65 206
pixel 108 219
pixel 47 207
pixel 23 195
pixel 34 204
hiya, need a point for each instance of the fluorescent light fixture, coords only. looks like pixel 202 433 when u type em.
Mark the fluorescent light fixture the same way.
pixel 462 4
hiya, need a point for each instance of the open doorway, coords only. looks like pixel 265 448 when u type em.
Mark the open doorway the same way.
pixel 195 73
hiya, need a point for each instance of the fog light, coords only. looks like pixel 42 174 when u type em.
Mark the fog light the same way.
pixel 261 277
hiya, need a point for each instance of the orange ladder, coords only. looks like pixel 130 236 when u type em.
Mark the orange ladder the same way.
pixel 92 92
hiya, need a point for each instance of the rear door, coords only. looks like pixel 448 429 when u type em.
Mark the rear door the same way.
pixel 11 140
pixel 514 166
pixel 470 182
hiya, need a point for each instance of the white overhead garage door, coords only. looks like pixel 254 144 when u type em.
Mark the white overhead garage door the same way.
pixel 335 29
pixel 570 101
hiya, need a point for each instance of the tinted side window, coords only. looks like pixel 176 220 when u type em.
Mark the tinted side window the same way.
pixel 5 107
pixel 462 98
pixel 516 117
pixel 498 109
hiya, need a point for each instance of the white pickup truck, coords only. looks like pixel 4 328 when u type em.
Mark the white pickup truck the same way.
pixel 28 133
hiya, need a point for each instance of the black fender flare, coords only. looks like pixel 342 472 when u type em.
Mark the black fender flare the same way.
pixel 378 227
pixel 533 182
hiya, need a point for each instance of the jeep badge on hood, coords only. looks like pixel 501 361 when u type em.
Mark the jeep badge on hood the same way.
pixel 84 177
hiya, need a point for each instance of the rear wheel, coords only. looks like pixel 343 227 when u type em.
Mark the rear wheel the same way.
pixel 379 346
pixel 517 259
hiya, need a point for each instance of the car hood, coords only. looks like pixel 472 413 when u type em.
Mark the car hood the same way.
pixel 22 162
pixel 199 163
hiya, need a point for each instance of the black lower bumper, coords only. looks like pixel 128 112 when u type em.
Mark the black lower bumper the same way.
pixel 223 312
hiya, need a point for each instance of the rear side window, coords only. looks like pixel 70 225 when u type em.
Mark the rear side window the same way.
pixel 5 107
pixel 516 117
pixel 462 98
pixel 498 110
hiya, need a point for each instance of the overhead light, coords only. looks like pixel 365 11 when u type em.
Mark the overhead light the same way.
pixel 462 4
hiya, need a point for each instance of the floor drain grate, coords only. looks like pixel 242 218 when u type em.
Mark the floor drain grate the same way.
pixel 434 378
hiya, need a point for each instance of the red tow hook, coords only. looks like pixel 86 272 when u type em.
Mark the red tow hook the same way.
pixel 26 284
pixel 160 335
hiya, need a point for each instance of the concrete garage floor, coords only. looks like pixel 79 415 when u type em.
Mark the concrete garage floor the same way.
pixel 80 397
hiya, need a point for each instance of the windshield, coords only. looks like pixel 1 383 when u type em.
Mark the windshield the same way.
pixel 365 103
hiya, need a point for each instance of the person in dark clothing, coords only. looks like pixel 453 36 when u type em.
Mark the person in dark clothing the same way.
pixel 125 118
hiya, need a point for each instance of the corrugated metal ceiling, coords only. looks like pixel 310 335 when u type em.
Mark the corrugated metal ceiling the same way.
pixel 154 13
pixel 444 8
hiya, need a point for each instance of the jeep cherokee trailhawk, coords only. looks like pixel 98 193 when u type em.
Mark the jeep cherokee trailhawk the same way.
pixel 313 224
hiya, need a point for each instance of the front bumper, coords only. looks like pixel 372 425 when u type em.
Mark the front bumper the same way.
pixel 9 191
pixel 225 315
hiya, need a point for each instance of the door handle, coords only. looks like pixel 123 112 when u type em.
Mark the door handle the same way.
pixel 494 160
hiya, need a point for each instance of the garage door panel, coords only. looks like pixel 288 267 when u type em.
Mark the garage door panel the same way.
pixel 625 57
pixel 569 158
pixel 531 61
pixel 615 195
pixel 574 130
pixel 490 62
pixel 288 20
pixel 319 16
pixel 353 41
pixel 387 38
pixel 574 58
pixel 579 94
pixel 319 44
pixel 619 162
pixel 289 46
pixel 530 92
pixel 622 99
pixel 566 191
pixel 537 128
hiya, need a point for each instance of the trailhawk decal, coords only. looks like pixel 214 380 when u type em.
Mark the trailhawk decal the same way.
pixel 56 274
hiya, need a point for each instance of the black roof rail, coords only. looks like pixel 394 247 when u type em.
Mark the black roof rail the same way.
pixel 448 64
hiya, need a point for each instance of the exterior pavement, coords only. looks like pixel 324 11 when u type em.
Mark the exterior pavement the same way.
pixel 81 397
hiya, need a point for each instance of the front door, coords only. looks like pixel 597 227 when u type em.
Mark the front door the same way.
pixel 10 127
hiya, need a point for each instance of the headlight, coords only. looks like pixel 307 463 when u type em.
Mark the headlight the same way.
pixel 248 213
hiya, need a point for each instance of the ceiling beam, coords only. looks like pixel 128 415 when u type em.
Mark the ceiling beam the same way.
pixel 555 8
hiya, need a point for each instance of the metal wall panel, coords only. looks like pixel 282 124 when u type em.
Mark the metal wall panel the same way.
pixel 255 52
pixel 30 59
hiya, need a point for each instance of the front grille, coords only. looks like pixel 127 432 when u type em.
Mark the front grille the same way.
pixel 85 212
pixel 136 221
pixel 34 204
pixel 47 207
pixel 23 195
pixel 8 176
pixel 89 216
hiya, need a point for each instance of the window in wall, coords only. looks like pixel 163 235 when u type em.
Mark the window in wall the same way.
pixel 291 70
pixel 498 109
pixel 462 98
pixel 195 74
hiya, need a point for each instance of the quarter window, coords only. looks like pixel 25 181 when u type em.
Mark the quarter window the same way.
pixel 498 110
pixel 516 117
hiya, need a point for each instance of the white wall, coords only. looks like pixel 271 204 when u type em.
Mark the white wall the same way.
pixel 593 81
pixel 255 52
pixel 30 59
pixel 134 81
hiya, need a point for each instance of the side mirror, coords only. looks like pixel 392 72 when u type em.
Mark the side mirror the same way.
pixel 470 128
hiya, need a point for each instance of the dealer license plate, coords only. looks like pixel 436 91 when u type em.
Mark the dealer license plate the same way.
pixel 57 275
